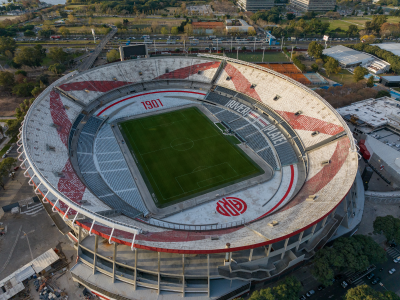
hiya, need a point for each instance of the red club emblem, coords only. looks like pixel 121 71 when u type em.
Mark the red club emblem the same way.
pixel 231 206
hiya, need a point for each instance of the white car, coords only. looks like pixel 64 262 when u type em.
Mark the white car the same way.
pixel 397 259
pixel 392 271
pixel 310 293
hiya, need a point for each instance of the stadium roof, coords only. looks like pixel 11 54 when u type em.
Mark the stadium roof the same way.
pixel 391 47
pixel 347 56
pixel 48 133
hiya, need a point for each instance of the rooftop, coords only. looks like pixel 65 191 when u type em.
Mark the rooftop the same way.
pixel 374 113
pixel 347 56
pixel 391 47
pixel 207 24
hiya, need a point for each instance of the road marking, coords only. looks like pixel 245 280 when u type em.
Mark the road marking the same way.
pixel 12 250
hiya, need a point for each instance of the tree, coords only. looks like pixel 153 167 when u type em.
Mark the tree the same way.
pixel 6 79
pixel 57 68
pixel 164 31
pixel 71 18
pixel 13 126
pixel 7 44
pixel 388 225
pixel 112 56
pixel 23 89
pixel 353 30
pixel 370 81
pixel 289 289
pixel 64 31
pixel 290 16
pixel 251 31
pixel 29 33
pixel 8 164
pixel 174 30
pixel 36 91
pixel 354 253
pixel 314 67
pixel 368 39
pixel 30 56
pixel 359 73
pixel 21 72
pixel 331 66
pixel 46 33
pixel 58 55
pixel 315 49
pixel 365 292
pixel 383 93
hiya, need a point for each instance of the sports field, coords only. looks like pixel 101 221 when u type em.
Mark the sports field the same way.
pixel 272 57
pixel 182 154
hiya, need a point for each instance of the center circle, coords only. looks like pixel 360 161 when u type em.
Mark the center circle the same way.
pixel 182 144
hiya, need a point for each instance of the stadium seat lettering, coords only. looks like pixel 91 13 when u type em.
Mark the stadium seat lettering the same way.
pixel 240 108
pixel 151 104
pixel 276 137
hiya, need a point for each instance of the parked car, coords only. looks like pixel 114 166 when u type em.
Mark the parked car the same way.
pixel 321 287
pixel 344 284
pixel 4 155
pixel 302 297
pixel 376 280
pixel 370 275
pixel 310 293
pixel 391 271
pixel 397 259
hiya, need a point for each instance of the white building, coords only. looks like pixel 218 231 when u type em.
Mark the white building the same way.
pixel 350 58
pixel 243 27
pixel 313 5
pixel 255 5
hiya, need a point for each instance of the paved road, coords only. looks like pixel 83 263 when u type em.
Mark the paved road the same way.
pixel 88 62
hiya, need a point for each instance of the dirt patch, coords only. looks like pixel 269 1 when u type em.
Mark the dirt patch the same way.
pixel 8 104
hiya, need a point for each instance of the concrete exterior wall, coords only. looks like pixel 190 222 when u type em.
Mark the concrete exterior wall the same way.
pixel 314 5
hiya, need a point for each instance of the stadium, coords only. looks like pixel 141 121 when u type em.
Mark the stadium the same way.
pixel 198 177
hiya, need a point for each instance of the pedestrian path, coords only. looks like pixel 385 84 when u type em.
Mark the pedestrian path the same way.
pixel 33 209
pixel 393 252
pixel 359 282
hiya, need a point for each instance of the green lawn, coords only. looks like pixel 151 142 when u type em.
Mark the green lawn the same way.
pixel 272 57
pixel 182 154
pixel 342 77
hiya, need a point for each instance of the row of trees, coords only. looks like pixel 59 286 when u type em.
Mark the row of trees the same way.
pixel 392 59
pixel 354 253
pixel 290 288
pixel 6 166
pixel 125 6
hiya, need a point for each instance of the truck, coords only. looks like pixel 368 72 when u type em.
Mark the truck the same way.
pixel 55 37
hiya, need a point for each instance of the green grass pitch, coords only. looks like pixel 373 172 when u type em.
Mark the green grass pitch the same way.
pixel 182 154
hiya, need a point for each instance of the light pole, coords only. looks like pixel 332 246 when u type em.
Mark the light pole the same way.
pixel 231 42
pixel 263 54
pixel 381 284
